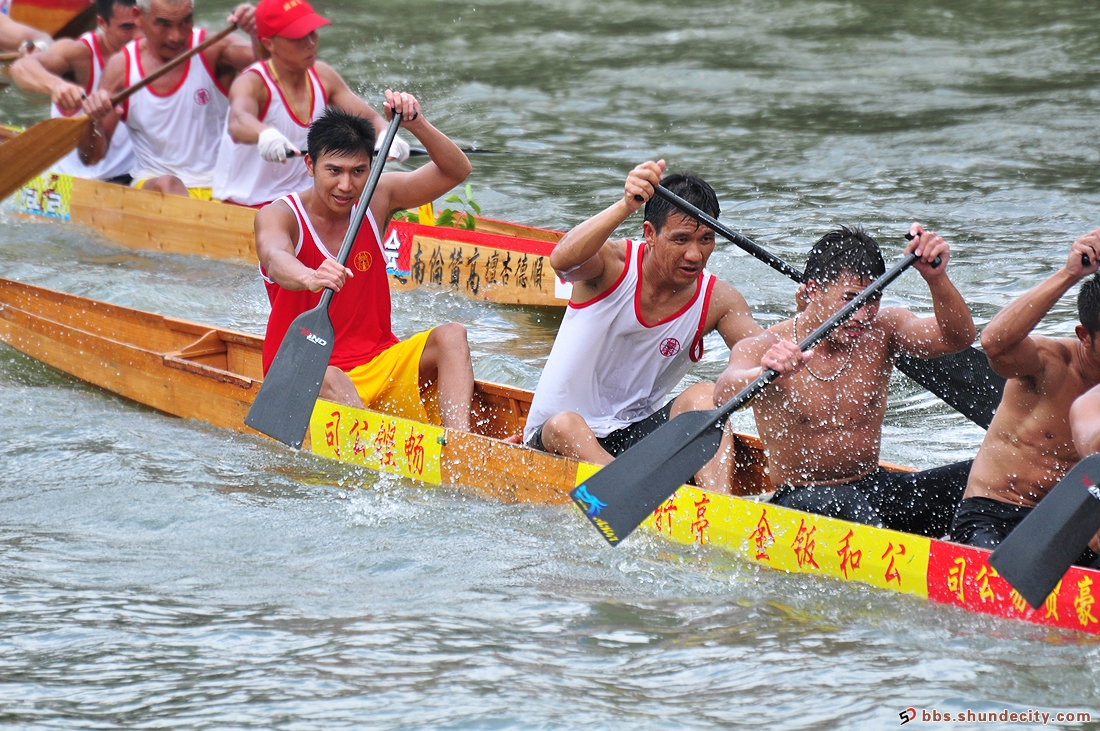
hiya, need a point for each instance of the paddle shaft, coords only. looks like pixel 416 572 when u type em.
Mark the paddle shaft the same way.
pixel 13 56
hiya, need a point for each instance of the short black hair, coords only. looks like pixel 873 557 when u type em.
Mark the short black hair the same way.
pixel 340 132
pixel 846 249
pixel 106 8
pixel 1088 304
pixel 688 186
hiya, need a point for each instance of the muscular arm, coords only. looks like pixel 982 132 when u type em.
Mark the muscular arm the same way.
pixel 13 35
pixel 745 365
pixel 1084 420
pixel 1006 340
pixel 246 97
pixel 276 229
pixel 42 72
pixel 733 320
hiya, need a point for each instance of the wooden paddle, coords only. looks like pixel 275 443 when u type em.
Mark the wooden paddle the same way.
pixel 963 380
pixel 13 56
pixel 285 400
pixel 624 493
pixel 28 154
pixel 1039 551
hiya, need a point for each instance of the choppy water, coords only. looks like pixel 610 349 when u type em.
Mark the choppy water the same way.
pixel 157 573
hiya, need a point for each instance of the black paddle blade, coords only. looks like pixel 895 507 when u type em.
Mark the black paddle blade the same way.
pixel 1039 551
pixel 621 495
pixel 963 380
pixel 284 404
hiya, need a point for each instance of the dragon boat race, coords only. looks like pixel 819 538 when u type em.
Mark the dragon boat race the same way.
pixel 457 558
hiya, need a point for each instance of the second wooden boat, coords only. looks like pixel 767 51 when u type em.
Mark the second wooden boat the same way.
pixel 212 374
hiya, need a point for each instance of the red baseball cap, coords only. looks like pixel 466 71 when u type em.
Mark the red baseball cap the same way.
pixel 287 18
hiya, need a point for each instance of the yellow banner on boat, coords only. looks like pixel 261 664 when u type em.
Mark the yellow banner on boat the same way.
pixel 50 195
pixel 377 441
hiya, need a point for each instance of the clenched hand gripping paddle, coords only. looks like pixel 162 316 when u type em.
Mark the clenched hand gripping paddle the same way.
pixel 963 380
pixel 624 493
pixel 284 404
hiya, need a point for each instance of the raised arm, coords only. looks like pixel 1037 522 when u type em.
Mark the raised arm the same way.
pixel 1006 339
pixel 339 95
pixel 276 229
pixel 447 168
pixel 580 255
pixel 13 35
pixel 233 53
pixel 42 73
pixel 951 329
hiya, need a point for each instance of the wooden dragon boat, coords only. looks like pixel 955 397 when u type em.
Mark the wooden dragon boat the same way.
pixel 212 374
pixel 499 262
pixel 59 18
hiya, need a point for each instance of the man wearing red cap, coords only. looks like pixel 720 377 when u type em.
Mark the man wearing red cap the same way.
pixel 272 104
pixel 175 123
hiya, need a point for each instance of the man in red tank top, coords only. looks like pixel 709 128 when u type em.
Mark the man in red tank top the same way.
pixel 428 376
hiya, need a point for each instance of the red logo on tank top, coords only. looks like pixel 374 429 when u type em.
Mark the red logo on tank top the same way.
pixel 202 97
pixel 362 261
pixel 670 347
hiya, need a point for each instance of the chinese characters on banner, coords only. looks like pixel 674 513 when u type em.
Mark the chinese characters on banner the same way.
pixel 377 441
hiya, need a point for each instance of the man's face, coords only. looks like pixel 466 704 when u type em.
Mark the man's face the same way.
pixel 338 180
pixel 121 28
pixel 682 247
pixel 830 297
pixel 167 27
pixel 298 53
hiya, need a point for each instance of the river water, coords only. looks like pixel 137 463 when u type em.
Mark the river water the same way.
pixel 157 573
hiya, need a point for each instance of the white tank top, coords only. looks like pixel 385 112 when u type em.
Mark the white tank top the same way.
pixel 242 176
pixel 176 133
pixel 120 156
pixel 611 367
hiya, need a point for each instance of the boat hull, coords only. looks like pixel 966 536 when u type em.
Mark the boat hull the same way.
pixel 211 374
pixel 499 262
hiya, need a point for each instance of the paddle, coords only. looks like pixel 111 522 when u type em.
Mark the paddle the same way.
pixel 963 380
pixel 415 152
pixel 285 400
pixel 31 152
pixel 1038 552
pixel 621 495
pixel 13 56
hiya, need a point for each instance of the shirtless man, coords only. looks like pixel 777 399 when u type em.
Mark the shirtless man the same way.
pixel 176 122
pixel 273 102
pixel 428 376
pixel 821 420
pixel 18 37
pixel 72 69
pixel 614 362
pixel 1030 446
pixel 1084 420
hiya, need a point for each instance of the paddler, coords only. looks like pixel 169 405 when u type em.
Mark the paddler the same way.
pixel 635 326
pixel 176 122
pixel 272 104
pixel 427 377
pixel 1029 446
pixel 72 69
pixel 18 37
pixel 821 420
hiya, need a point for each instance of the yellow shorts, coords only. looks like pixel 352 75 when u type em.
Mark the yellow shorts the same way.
pixel 391 382
pixel 199 194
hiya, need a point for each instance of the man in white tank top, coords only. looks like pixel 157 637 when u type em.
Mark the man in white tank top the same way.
pixel 272 104
pixel 175 123
pixel 73 68
pixel 634 327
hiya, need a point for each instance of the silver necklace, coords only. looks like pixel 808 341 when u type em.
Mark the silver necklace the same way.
pixel 839 370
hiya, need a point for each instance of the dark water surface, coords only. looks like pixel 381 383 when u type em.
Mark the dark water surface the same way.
pixel 157 573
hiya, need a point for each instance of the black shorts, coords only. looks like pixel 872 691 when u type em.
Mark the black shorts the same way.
pixel 913 502
pixel 984 522
pixel 619 440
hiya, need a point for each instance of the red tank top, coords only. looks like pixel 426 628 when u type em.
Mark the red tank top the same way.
pixel 360 312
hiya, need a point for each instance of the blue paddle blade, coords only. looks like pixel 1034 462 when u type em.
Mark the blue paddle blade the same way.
pixel 1040 550
pixel 623 494
pixel 284 404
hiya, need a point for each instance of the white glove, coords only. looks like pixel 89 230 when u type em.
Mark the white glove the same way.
pixel 274 146
pixel 399 150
